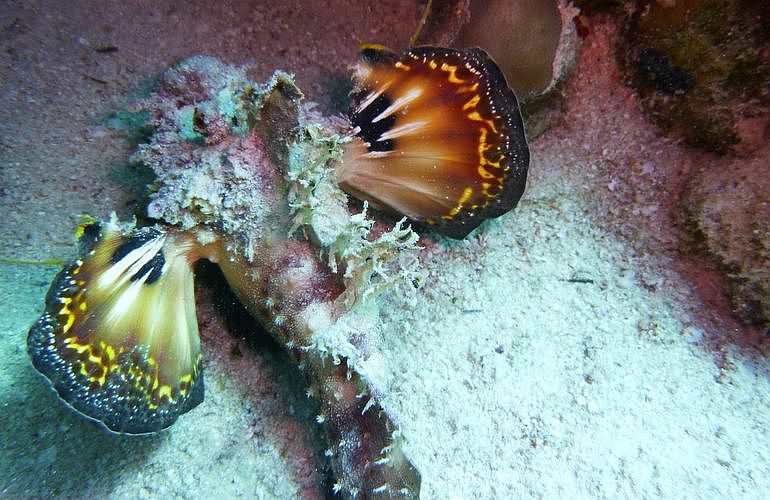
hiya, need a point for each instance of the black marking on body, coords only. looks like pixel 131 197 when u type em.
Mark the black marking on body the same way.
pixel 120 403
pixel 376 54
pixel 136 241
pixel 92 233
pixel 154 267
pixel 371 132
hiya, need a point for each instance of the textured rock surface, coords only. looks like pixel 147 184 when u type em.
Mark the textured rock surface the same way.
pixel 702 67
pixel 729 210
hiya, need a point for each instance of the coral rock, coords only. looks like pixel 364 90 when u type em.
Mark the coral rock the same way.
pixel 702 67
pixel 729 209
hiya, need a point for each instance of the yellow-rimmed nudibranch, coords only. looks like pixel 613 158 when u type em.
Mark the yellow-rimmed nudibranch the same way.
pixel 119 336
pixel 439 137
pixel 249 177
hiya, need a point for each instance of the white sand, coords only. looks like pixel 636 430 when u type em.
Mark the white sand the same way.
pixel 511 381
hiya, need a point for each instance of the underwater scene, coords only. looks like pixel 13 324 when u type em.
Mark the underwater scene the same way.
pixel 436 249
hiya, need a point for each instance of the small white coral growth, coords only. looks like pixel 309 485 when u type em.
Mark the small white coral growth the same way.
pixel 370 266
pixel 211 171
pixel 316 202
pixel 374 266
pixel 334 338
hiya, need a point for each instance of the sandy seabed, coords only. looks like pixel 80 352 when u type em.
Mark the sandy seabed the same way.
pixel 567 350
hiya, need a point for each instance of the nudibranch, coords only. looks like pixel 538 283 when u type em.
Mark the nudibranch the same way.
pixel 119 337
pixel 438 137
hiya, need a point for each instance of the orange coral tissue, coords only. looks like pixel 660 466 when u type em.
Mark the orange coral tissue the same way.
pixel 439 137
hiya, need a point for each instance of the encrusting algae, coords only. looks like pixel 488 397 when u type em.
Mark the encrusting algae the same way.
pixel 246 177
